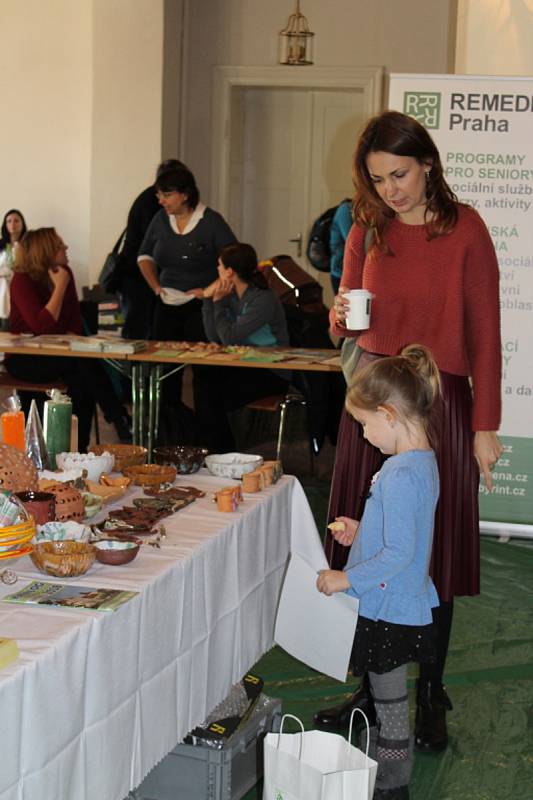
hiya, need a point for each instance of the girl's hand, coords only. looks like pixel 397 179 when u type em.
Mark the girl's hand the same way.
pixel 59 277
pixel 224 288
pixel 330 581
pixel 346 534
pixel 340 305
pixel 487 450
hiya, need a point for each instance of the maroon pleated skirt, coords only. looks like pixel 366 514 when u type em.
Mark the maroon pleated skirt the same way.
pixel 455 556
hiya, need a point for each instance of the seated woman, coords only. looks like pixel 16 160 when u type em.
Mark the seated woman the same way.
pixel 13 229
pixel 238 309
pixel 44 301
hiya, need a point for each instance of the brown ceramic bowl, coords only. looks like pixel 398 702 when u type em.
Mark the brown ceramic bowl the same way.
pixel 186 459
pixel 63 559
pixel 115 553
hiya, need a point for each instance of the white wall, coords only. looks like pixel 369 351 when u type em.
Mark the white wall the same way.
pixel 127 114
pixel 45 129
pixel 495 37
pixel 401 35
pixel 82 120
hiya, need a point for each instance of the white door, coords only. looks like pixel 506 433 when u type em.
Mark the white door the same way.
pixel 291 152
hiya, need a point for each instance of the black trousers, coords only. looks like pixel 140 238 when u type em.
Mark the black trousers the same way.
pixel 137 303
pixel 218 390
pixel 177 324
pixel 87 381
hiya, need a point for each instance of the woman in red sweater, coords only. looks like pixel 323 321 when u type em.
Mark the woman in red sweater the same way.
pixel 44 300
pixel 434 275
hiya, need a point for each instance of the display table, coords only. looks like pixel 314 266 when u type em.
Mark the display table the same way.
pixel 97 699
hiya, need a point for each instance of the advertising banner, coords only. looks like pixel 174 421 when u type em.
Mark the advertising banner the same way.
pixel 483 127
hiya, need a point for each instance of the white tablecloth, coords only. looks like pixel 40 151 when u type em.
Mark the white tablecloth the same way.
pixel 97 699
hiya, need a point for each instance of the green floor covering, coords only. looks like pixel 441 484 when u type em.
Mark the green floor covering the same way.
pixel 489 677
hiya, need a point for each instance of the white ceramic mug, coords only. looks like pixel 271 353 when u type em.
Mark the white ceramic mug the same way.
pixel 358 315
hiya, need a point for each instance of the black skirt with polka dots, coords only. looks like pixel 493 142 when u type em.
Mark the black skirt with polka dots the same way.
pixel 380 646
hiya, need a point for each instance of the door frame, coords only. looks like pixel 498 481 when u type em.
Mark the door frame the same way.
pixel 368 80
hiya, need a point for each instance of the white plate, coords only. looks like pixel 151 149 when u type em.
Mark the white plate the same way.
pixel 174 297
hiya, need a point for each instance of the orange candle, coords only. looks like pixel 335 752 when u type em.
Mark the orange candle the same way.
pixel 13 429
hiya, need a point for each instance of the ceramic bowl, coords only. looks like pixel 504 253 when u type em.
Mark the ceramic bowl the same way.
pixel 63 559
pixel 115 553
pixel 186 459
pixel 232 465
pixel 95 465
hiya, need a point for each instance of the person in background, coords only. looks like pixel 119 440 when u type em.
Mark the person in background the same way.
pixel 434 275
pixel 238 309
pixel 137 299
pixel 44 301
pixel 340 228
pixel 178 257
pixel 13 229
pixel 387 569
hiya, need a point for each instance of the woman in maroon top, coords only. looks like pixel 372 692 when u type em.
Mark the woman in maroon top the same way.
pixel 432 269
pixel 44 300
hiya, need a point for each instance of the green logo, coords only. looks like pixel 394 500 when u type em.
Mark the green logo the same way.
pixel 279 796
pixel 424 107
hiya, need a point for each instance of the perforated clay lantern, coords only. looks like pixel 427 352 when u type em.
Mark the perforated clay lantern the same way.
pixel 69 502
pixel 17 471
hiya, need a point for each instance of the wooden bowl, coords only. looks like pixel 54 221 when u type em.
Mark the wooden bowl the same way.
pixel 63 559
pixel 116 553
pixel 151 474
pixel 126 455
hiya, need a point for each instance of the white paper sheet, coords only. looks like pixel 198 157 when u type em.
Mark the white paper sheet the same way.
pixel 313 627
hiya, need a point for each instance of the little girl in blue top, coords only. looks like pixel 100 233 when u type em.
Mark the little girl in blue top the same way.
pixel 387 568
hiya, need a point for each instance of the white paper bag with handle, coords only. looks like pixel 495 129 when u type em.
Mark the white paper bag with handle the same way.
pixel 315 765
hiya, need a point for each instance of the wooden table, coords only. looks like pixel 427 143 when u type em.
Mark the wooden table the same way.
pixel 160 354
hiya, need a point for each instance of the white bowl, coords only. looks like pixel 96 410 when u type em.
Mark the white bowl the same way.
pixel 232 465
pixel 95 465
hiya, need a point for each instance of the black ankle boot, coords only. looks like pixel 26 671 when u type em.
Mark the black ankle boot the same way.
pixel 339 716
pixel 432 702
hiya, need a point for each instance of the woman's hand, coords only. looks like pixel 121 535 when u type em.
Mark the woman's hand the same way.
pixel 487 450
pixel 330 581
pixel 198 293
pixel 344 530
pixel 340 306
pixel 59 277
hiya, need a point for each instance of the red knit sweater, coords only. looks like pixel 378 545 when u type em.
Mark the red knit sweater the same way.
pixel 442 293
pixel 28 313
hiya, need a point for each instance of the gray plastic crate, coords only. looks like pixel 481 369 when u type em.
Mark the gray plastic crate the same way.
pixel 191 772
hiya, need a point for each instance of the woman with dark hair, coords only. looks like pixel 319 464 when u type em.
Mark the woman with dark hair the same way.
pixel 13 229
pixel 238 309
pixel 432 269
pixel 179 254
pixel 44 301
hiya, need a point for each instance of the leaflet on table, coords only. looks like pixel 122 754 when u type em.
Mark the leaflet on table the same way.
pixel 45 340
pixel 107 344
pixel 44 593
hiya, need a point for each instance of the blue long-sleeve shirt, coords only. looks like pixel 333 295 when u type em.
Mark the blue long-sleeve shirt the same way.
pixel 257 318
pixel 389 559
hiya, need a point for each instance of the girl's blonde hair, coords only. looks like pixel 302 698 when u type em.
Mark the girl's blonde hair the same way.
pixel 410 382
pixel 36 253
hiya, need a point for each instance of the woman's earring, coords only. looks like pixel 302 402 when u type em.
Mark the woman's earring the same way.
pixel 428 174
